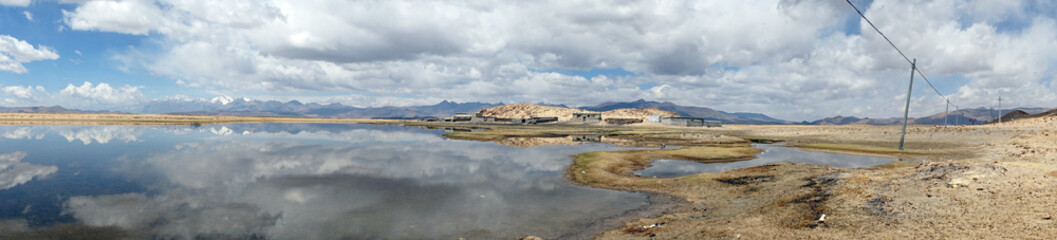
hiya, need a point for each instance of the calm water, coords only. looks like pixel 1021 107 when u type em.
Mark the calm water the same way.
pixel 291 181
pixel 771 154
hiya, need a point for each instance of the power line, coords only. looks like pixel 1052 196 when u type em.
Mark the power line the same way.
pixel 918 70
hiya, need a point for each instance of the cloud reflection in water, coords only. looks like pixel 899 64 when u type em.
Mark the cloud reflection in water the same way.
pixel 365 182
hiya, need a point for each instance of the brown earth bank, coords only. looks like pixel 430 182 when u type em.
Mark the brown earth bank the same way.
pixel 981 182
pixel 984 182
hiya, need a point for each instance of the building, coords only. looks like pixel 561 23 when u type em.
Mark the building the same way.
pixel 460 117
pixel 533 120
pixel 477 118
pixel 683 121
pixel 622 121
pixel 713 124
pixel 653 118
pixel 586 118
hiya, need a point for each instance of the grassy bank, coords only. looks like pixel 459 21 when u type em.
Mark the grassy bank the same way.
pixel 613 169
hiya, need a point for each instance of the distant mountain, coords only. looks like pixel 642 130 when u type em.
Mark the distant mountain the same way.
pixel 842 120
pixel 960 117
pixel 52 109
pixel 690 111
pixel 249 107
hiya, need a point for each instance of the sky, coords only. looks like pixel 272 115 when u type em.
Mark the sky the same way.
pixel 790 59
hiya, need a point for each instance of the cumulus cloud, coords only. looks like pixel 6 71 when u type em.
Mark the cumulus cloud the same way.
pixel 87 96
pixel 793 59
pixel 29 15
pixel 103 94
pixel 130 17
pixel 15 52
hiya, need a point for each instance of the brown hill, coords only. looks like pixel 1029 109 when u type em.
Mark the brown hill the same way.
pixel 527 110
pixel 636 113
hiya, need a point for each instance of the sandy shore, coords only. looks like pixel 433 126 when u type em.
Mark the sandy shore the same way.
pixel 980 182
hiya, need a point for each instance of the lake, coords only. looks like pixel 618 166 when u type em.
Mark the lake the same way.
pixel 291 181
pixel 771 154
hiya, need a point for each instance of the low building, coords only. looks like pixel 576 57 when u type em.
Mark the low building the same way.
pixel 713 124
pixel 460 117
pixel 653 118
pixel 623 121
pixel 586 118
pixel 476 118
pixel 683 121
pixel 533 120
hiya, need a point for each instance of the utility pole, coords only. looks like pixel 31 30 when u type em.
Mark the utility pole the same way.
pixel 906 110
pixel 946 112
pixel 1000 109
pixel 958 121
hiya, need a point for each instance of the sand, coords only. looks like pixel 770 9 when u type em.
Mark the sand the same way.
pixel 974 182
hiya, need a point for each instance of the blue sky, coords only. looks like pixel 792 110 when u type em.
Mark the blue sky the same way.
pixel 796 60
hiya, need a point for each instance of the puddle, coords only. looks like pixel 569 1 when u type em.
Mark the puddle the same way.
pixel 667 168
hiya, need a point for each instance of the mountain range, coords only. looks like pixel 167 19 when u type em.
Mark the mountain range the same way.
pixel 690 111
pixel 52 109
pixel 959 117
pixel 250 107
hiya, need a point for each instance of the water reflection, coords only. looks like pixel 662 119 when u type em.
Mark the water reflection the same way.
pixel 85 134
pixel 318 181
pixel 13 172
pixel 771 154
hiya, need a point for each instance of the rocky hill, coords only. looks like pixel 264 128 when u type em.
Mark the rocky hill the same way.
pixel 527 110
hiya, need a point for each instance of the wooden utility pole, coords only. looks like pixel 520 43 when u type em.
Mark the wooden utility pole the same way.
pixel 906 110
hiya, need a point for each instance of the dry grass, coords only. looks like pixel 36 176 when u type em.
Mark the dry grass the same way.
pixel 864 150
pixel 613 169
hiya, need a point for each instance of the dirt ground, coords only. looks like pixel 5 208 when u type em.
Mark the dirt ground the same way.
pixel 966 182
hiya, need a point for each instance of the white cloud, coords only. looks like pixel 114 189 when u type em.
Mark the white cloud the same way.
pixel 24 92
pixel 19 3
pixel 15 52
pixel 87 96
pixel 29 15
pixel 136 17
pixel 103 93
pixel 792 59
